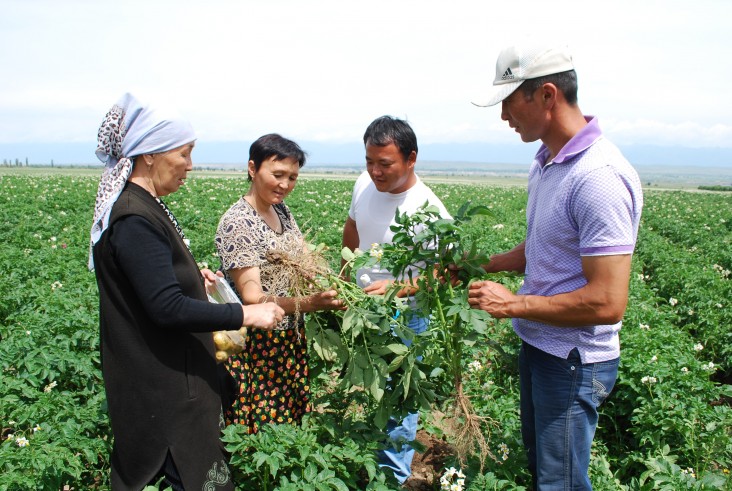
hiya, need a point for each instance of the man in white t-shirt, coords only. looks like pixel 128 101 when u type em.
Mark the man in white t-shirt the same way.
pixel 388 184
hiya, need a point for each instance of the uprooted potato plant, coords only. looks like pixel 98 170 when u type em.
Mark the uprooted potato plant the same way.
pixel 388 370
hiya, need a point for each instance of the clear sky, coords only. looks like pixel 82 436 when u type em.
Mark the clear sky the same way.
pixel 655 72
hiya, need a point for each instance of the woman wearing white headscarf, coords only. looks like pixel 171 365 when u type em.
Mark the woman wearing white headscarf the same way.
pixel 158 362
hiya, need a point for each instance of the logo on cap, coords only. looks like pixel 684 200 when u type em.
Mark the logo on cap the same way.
pixel 508 74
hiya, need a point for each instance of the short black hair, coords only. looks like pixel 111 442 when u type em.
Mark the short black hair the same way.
pixel 274 145
pixel 566 82
pixel 386 129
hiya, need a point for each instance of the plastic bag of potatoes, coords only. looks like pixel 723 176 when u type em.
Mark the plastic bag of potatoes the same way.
pixel 227 343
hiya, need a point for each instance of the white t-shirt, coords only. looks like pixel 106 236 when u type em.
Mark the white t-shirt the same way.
pixel 373 212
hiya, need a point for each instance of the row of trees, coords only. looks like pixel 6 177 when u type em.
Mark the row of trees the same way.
pixel 716 188
pixel 17 163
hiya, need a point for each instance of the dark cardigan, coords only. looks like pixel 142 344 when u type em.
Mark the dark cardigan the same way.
pixel 158 363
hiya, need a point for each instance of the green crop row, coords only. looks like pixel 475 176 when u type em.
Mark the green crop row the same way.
pixel 667 424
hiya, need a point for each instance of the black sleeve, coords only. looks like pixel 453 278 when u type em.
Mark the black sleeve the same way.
pixel 145 256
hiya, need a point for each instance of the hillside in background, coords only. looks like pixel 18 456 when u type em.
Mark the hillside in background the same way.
pixel 657 166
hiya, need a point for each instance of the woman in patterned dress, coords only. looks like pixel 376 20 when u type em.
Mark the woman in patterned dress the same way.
pixel 272 372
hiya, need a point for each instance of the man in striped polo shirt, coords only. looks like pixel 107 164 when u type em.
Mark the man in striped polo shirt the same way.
pixel 584 208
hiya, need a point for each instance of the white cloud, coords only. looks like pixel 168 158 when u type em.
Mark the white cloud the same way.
pixel 654 72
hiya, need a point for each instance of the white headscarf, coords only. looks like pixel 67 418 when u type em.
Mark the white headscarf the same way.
pixel 129 129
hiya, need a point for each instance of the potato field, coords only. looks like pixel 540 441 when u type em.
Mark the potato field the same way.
pixel 667 424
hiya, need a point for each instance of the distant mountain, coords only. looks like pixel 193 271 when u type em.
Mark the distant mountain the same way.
pixel 450 156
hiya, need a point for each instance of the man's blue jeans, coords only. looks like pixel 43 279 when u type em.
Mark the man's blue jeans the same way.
pixel 400 461
pixel 559 401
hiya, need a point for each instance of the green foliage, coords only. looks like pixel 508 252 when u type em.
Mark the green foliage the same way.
pixel 674 345
pixel 669 412
pixel 309 457
pixel 381 372
pixel 403 372
pixel 435 244
pixel 664 474
pixel 52 398
pixel 715 188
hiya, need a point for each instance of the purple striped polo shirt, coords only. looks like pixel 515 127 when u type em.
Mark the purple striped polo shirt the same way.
pixel 585 202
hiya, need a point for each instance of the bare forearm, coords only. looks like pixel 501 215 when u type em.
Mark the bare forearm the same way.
pixel 573 309
pixel 290 305
pixel 350 236
pixel 513 260
pixel 601 301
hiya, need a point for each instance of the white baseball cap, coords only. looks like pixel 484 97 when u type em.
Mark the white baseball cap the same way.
pixel 518 63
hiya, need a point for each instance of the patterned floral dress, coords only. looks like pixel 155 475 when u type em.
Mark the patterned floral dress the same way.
pixel 272 371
